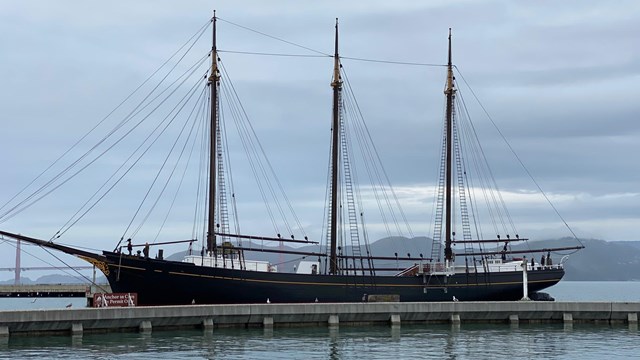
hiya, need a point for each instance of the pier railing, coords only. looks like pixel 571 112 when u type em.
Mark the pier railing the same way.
pixel 52 290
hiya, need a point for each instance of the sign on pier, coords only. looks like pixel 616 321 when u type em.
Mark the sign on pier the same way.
pixel 115 299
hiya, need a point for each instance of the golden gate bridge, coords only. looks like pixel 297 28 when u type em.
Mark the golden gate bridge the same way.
pixel 17 269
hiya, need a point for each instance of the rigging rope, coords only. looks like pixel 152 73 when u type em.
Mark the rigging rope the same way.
pixel 177 107
pixel 321 54
pixel 60 232
pixel 379 61
pixel 274 37
pixel 229 172
pixel 113 131
pixel 202 187
pixel 518 158
pixel 250 131
pixel 248 146
pixel 369 146
pixel 187 121
pixel 393 62
pixel 186 167
pixel 197 36
pixel 483 163
pixel 272 54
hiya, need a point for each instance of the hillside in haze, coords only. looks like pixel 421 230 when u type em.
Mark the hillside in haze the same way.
pixel 605 261
pixel 54 279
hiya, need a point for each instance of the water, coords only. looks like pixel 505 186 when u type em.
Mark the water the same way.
pixel 596 291
pixel 427 341
pixel 498 341
pixel 41 303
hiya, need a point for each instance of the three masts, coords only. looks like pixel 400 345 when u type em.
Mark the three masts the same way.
pixel 333 256
pixel 222 276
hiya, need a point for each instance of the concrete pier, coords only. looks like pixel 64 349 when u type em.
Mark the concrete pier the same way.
pixel 76 329
pixel 568 318
pixel 145 326
pixel 334 320
pixel 144 319
pixel 207 324
pixel 267 321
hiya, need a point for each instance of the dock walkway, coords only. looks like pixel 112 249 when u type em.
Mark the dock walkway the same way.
pixel 146 318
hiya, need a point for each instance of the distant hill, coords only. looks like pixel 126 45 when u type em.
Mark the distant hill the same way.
pixel 53 279
pixel 605 260
pixel 599 261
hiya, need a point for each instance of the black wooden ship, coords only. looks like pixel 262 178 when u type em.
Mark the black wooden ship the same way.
pixel 220 273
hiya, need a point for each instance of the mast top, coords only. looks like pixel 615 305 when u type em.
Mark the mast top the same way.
pixel 337 80
pixel 215 72
pixel 450 85
pixel 449 63
pixel 336 51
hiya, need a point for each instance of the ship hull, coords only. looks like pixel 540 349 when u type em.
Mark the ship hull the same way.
pixel 163 282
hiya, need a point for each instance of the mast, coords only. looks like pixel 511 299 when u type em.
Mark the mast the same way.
pixel 450 93
pixel 214 82
pixel 336 84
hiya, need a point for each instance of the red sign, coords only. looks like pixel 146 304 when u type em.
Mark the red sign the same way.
pixel 115 299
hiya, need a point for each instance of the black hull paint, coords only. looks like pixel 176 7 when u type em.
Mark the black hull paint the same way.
pixel 162 282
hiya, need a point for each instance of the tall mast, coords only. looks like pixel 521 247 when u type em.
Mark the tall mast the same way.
pixel 214 82
pixel 336 84
pixel 450 92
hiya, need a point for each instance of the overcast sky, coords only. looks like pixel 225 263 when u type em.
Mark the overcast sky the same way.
pixel 560 79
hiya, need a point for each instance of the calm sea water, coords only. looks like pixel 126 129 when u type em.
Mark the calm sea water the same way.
pixel 468 341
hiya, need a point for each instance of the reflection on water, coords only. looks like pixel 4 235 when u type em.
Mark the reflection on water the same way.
pixel 468 341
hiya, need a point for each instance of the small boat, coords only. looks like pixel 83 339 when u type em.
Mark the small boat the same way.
pixel 347 271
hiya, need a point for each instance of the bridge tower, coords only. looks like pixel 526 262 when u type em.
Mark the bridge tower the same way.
pixel 17 272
